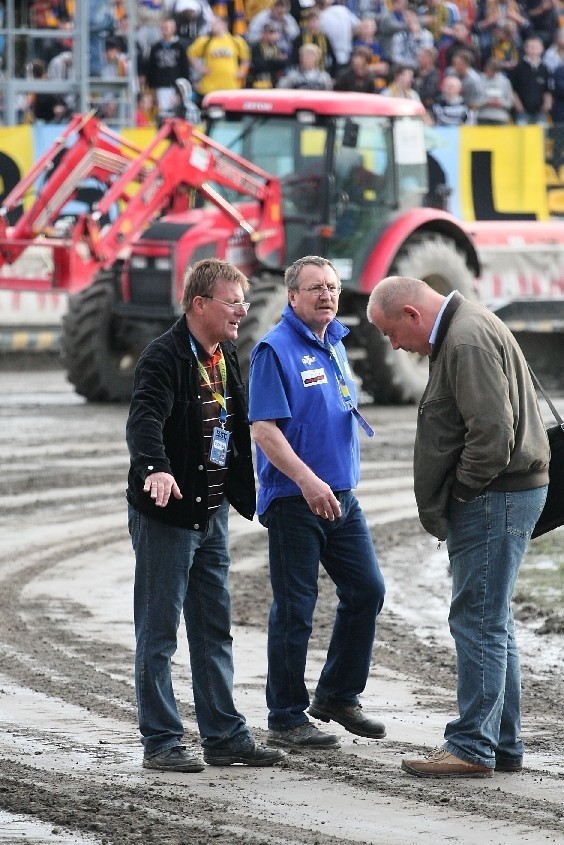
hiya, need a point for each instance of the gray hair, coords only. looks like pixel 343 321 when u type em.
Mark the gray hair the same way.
pixel 291 276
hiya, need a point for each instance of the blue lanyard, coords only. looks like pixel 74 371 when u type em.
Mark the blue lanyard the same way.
pixel 346 394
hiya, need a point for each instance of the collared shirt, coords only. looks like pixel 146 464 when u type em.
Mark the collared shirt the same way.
pixel 437 323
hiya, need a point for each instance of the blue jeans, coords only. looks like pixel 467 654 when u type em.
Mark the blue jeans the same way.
pixel 182 571
pixel 487 540
pixel 298 541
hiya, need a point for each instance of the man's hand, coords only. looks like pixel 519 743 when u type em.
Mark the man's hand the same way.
pixel 160 485
pixel 321 500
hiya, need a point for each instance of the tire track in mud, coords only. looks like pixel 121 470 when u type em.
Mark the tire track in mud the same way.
pixel 40 653
pixel 149 813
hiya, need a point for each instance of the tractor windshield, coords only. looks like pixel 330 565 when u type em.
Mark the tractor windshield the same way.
pixel 380 169
pixel 343 178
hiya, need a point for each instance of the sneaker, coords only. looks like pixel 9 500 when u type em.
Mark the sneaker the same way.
pixel 442 764
pixel 303 736
pixel 248 755
pixel 350 716
pixel 508 764
pixel 175 759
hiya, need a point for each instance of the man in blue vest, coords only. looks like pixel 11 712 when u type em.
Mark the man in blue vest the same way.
pixel 305 424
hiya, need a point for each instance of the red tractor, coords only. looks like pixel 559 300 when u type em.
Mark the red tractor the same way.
pixel 276 175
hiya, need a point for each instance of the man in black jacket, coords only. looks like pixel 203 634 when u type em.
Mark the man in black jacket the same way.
pixel 167 62
pixel 531 84
pixel 189 442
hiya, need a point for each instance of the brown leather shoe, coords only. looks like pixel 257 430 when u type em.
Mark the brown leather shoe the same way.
pixel 442 764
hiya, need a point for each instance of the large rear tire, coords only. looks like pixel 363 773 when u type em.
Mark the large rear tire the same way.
pixel 397 377
pixel 268 297
pixel 98 362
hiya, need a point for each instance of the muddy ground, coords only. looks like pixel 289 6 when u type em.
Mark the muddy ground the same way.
pixel 69 751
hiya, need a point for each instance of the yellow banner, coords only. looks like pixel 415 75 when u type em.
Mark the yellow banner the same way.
pixel 502 173
pixel 16 156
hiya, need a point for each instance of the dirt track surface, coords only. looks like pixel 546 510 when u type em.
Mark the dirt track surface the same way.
pixel 69 750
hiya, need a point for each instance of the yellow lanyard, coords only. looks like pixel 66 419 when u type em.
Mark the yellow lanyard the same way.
pixel 206 379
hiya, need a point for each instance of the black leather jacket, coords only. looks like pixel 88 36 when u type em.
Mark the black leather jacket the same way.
pixel 165 432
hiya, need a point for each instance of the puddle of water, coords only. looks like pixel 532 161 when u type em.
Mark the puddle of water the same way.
pixel 17 828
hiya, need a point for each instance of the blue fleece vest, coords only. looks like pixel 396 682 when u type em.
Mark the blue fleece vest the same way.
pixel 291 369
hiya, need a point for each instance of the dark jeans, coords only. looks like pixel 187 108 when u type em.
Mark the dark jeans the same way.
pixel 182 572
pixel 298 542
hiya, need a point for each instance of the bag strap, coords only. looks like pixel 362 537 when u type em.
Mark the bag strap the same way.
pixel 547 398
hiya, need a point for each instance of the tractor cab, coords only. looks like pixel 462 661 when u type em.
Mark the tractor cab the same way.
pixel 347 165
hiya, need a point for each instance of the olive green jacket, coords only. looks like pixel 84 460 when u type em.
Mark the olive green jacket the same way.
pixel 479 427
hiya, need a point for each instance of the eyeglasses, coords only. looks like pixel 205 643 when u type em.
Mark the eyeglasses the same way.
pixel 234 305
pixel 333 290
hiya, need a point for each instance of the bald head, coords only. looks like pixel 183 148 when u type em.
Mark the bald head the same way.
pixel 404 310
pixel 392 293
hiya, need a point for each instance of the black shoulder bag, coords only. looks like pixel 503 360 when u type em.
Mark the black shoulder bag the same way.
pixel 553 514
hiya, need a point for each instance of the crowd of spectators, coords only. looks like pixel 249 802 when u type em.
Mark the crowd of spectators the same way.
pixel 468 61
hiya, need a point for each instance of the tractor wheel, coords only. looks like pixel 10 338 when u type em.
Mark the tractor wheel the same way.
pixel 98 365
pixel 398 377
pixel 268 297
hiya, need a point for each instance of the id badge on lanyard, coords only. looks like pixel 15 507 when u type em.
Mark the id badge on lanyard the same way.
pixel 346 395
pixel 219 446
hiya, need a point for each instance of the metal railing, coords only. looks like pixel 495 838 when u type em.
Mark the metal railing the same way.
pixel 85 91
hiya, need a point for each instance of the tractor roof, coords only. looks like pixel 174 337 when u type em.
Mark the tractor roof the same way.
pixel 289 101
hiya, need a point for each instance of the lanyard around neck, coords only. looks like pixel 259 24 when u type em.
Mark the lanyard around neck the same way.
pixel 346 394
pixel 206 379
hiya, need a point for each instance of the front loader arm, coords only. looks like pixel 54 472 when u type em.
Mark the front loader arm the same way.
pixel 179 160
pixel 85 149
pixel 141 183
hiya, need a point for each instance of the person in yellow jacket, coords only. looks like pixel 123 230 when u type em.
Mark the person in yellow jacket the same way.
pixel 219 60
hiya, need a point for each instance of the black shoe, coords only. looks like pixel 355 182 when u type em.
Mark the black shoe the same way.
pixel 175 759
pixel 350 716
pixel 248 755
pixel 304 736
pixel 508 764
